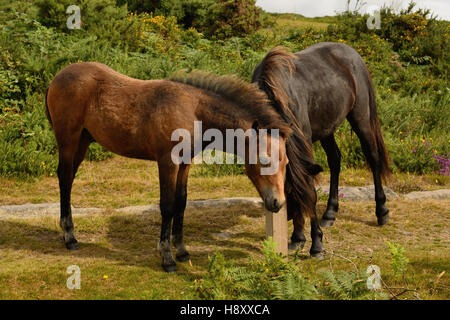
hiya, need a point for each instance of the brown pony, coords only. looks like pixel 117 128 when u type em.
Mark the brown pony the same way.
pixel 89 102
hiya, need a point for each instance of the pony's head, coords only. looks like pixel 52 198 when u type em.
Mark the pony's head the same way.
pixel 267 171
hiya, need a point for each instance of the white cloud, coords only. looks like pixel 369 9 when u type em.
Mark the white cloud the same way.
pixel 318 8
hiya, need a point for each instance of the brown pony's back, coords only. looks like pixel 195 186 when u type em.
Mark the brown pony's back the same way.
pixel 116 109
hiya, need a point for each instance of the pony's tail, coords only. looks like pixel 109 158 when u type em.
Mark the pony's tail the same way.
pixel 385 171
pixel 47 113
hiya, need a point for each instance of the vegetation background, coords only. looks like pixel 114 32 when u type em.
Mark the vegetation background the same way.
pixel 408 58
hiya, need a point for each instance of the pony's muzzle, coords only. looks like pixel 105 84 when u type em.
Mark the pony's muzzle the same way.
pixel 273 204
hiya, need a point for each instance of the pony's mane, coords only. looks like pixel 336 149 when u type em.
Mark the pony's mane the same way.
pixel 247 96
pixel 275 72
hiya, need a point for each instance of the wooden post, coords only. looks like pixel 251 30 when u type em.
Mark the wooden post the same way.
pixel 277 228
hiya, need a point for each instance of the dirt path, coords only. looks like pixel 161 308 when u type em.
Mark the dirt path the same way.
pixel 346 193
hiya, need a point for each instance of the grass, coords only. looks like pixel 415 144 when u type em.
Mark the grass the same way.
pixel 288 21
pixel 120 182
pixel 292 20
pixel 122 246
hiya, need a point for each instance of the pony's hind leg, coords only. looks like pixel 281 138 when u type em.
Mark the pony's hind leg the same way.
pixel 182 254
pixel 369 147
pixel 168 173
pixel 68 146
pixel 334 163
pixel 83 146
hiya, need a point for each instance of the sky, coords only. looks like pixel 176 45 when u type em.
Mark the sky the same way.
pixel 318 8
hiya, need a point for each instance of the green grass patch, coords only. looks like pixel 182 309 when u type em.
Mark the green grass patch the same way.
pixel 118 258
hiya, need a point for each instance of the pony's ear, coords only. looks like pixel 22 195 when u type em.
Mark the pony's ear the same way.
pixel 314 169
pixel 255 125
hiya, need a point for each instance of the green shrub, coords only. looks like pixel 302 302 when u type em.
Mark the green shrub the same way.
pixel 416 155
pixel 27 146
pixel 349 145
pixel 140 6
pixel 220 19
pixel 231 18
pixel 269 278
pixel 343 285
pixel 412 93
pixel 189 13
pixel 415 34
pixel 94 13
pixel 273 277
pixel 399 262
pixel 99 18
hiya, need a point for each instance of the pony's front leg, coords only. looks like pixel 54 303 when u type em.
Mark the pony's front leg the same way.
pixel 168 172
pixel 182 254
pixel 298 238
pixel 316 250
pixel 334 163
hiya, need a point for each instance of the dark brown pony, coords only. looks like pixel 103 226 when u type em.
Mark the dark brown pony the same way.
pixel 315 90
pixel 89 102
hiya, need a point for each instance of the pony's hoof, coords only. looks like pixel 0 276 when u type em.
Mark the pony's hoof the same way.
pixel 318 255
pixel 383 219
pixel 382 215
pixel 170 268
pixel 294 246
pixel 324 223
pixel 183 257
pixel 72 245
